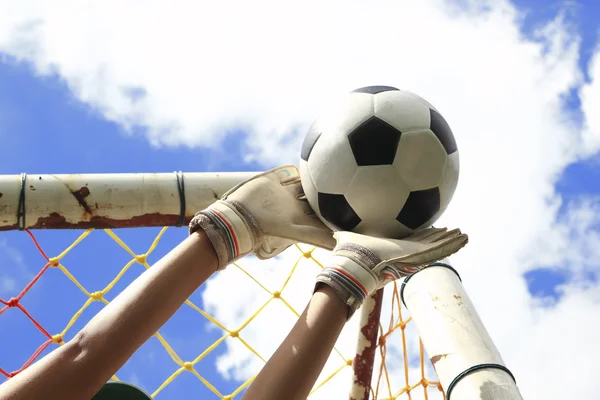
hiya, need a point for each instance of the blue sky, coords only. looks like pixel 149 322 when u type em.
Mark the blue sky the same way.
pixel 44 128
pixel 579 178
pixel 47 131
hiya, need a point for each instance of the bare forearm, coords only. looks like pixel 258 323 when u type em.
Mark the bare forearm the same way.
pixel 295 366
pixel 141 309
pixel 114 334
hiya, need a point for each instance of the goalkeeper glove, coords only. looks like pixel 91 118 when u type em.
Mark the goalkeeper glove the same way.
pixel 263 215
pixel 362 264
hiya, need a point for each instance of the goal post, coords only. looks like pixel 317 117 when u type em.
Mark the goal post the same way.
pixel 460 350
pixel 82 201
pixel 466 360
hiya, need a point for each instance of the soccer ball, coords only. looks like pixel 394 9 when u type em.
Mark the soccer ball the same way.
pixel 384 163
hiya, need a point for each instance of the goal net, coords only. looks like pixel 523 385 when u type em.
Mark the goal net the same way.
pixel 274 294
pixel 81 239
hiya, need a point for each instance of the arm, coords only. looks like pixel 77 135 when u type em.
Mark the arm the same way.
pixel 263 215
pixel 78 369
pixel 293 369
pixel 358 266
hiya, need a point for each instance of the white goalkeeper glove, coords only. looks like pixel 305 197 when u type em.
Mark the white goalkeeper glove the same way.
pixel 362 264
pixel 263 215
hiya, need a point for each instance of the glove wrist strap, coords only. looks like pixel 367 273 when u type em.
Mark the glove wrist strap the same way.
pixel 231 230
pixel 351 280
pixel 342 291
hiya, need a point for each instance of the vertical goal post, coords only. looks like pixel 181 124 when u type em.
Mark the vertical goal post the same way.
pixel 466 361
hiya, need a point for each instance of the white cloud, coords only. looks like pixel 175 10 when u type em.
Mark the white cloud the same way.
pixel 590 97
pixel 268 67
pixel 573 243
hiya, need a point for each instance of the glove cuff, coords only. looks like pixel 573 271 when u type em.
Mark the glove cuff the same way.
pixel 232 231
pixel 349 277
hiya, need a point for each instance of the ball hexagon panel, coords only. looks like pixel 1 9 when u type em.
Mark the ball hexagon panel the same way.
pixel 447 186
pixel 347 116
pixel 332 164
pixel 442 130
pixel 336 210
pixel 402 110
pixel 422 100
pixel 420 159
pixel 377 192
pixel 313 134
pixel 374 142
pixel 419 208
pixel 308 186
pixel 449 182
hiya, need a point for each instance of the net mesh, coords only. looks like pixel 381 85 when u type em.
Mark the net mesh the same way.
pixel 401 368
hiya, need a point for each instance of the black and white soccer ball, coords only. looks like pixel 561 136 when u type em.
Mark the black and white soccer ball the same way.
pixel 384 163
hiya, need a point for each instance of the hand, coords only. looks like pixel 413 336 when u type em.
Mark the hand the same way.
pixel 362 264
pixel 263 215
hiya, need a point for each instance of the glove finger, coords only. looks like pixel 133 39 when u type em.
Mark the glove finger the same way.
pixel 288 175
pixel 450 247
pixel 305 206
pixel 293 186
pixel 273 247
pixel 448 235
pixel 308 210
pixel 290 180
pixel 319 236
pixel 301 196
pixel 440 235
pixel 423 234
pixel 283 172
pixel 435 252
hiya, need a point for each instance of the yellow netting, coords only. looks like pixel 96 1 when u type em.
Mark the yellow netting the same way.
pixel 388 383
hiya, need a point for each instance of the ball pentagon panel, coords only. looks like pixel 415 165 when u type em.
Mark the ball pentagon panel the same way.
pixel 419 208
pixel 374 142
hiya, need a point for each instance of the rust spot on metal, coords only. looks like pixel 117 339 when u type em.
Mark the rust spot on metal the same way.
pixel 54 219
pixel 31 187
pixel 437 358
pixel 57 221
pixel 80 196
pixel 457 297
pixel 8 227
pixel 363 362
